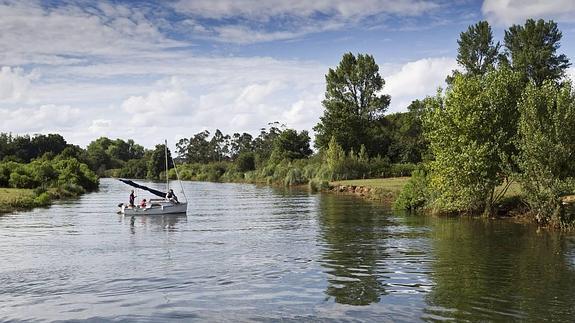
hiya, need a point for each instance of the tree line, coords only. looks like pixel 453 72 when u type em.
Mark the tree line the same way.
pixel 507 117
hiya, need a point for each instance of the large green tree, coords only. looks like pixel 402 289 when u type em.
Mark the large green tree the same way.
pixel 157 162
pixel 292 145
pixel 532 50
pixel 477 52
pixel 547 145
pixel 354 105
pixel 471 133
pixel 407 142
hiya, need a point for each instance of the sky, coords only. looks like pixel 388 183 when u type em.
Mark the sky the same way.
pixel 149 70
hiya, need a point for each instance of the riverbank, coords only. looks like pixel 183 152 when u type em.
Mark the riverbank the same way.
pixel 384 190
pixel 22 199
pixel 15 199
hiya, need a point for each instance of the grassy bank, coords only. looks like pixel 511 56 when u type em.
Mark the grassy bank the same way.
pixel 388 189
pixel 384 190
pixel 392 184
pixel 13 199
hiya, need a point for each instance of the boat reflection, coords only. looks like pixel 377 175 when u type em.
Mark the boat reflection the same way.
pixel 168 222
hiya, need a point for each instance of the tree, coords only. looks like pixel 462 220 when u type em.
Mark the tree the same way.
pixel 263 145
pixel 471 132
pixel 292 145
pixel 53 143
pixel 334 154
pixel 353 104
pixel 240 143
pixel 477 53
pixel 197 149
pixel 221 146
pixel 532 49
pixel 547 145
pixel 407 142
pixel 157 162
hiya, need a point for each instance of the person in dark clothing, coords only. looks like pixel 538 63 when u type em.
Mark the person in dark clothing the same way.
pixel 132 199
pixel 172 197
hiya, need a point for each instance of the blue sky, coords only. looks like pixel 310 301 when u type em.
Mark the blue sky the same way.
pixel 153 69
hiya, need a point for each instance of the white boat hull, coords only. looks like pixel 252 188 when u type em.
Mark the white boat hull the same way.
pixel 156 208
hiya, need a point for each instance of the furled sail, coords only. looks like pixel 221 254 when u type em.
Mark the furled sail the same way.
pixel 136 185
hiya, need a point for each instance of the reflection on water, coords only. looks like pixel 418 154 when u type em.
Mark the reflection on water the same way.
pixel 496 268
pixel 353 252
pixel 247 253
pixel 168 222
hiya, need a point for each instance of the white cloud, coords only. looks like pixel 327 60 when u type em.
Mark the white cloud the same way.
pixel 255 94
pixel 416 80
pixel 157 107
pixel 507 12
pixel 33 33
pixel 100 126
pixel 14 84
pixel 264 10
pixel 45 118
pixel 257 21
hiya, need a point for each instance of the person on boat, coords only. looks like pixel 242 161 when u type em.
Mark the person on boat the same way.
pixel 132 199
pixel 172 197
pixel 143 204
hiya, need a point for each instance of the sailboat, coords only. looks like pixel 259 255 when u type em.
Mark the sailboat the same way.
pixel 159 206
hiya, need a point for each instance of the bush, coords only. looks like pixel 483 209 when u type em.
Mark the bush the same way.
pixel 414 194
pixel 43 199
pixel 18 180
pixel 246 162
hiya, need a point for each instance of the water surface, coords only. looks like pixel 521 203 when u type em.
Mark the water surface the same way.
pixel 247 253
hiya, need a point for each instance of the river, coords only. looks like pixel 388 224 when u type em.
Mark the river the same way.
pixel 248 253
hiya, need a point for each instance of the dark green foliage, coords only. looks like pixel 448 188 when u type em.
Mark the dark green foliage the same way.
pixel 246 162
pixel 471 133
pixel 414 194
pixel 104 153
pixel 292 145
pixel 408 145
pixel 547 145
pixel 43 174
pixel 134 168
pixel 532 51
pixel 477 52
pixel 26 148
pixel 157 162
pixel 353 105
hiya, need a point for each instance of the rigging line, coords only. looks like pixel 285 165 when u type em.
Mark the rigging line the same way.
pixel 178 176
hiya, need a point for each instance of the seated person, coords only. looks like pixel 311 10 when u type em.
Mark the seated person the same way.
pixel 143 204
pixel 172 197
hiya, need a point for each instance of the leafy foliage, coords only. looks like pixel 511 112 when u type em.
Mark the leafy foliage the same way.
pixel 353 105
pixel 477 52
pixel 547 144
pixel 532 50
pixel 470 131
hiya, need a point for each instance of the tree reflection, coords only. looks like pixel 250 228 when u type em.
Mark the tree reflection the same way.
pixel 352 232
pixel 500 270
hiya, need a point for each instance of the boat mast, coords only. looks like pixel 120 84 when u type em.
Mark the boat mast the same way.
pixel 166 153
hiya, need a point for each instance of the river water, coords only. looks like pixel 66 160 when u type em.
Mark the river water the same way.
pixel 247 253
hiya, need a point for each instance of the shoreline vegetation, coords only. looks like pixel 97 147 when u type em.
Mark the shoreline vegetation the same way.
pixel 498 140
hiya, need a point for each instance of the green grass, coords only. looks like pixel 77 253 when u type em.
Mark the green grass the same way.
pixel 513 190
pixel 395 184
pixel 392 184
pixel 16 198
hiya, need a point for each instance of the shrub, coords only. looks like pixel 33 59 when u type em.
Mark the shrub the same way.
pixel 414 194
pixel 246 162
